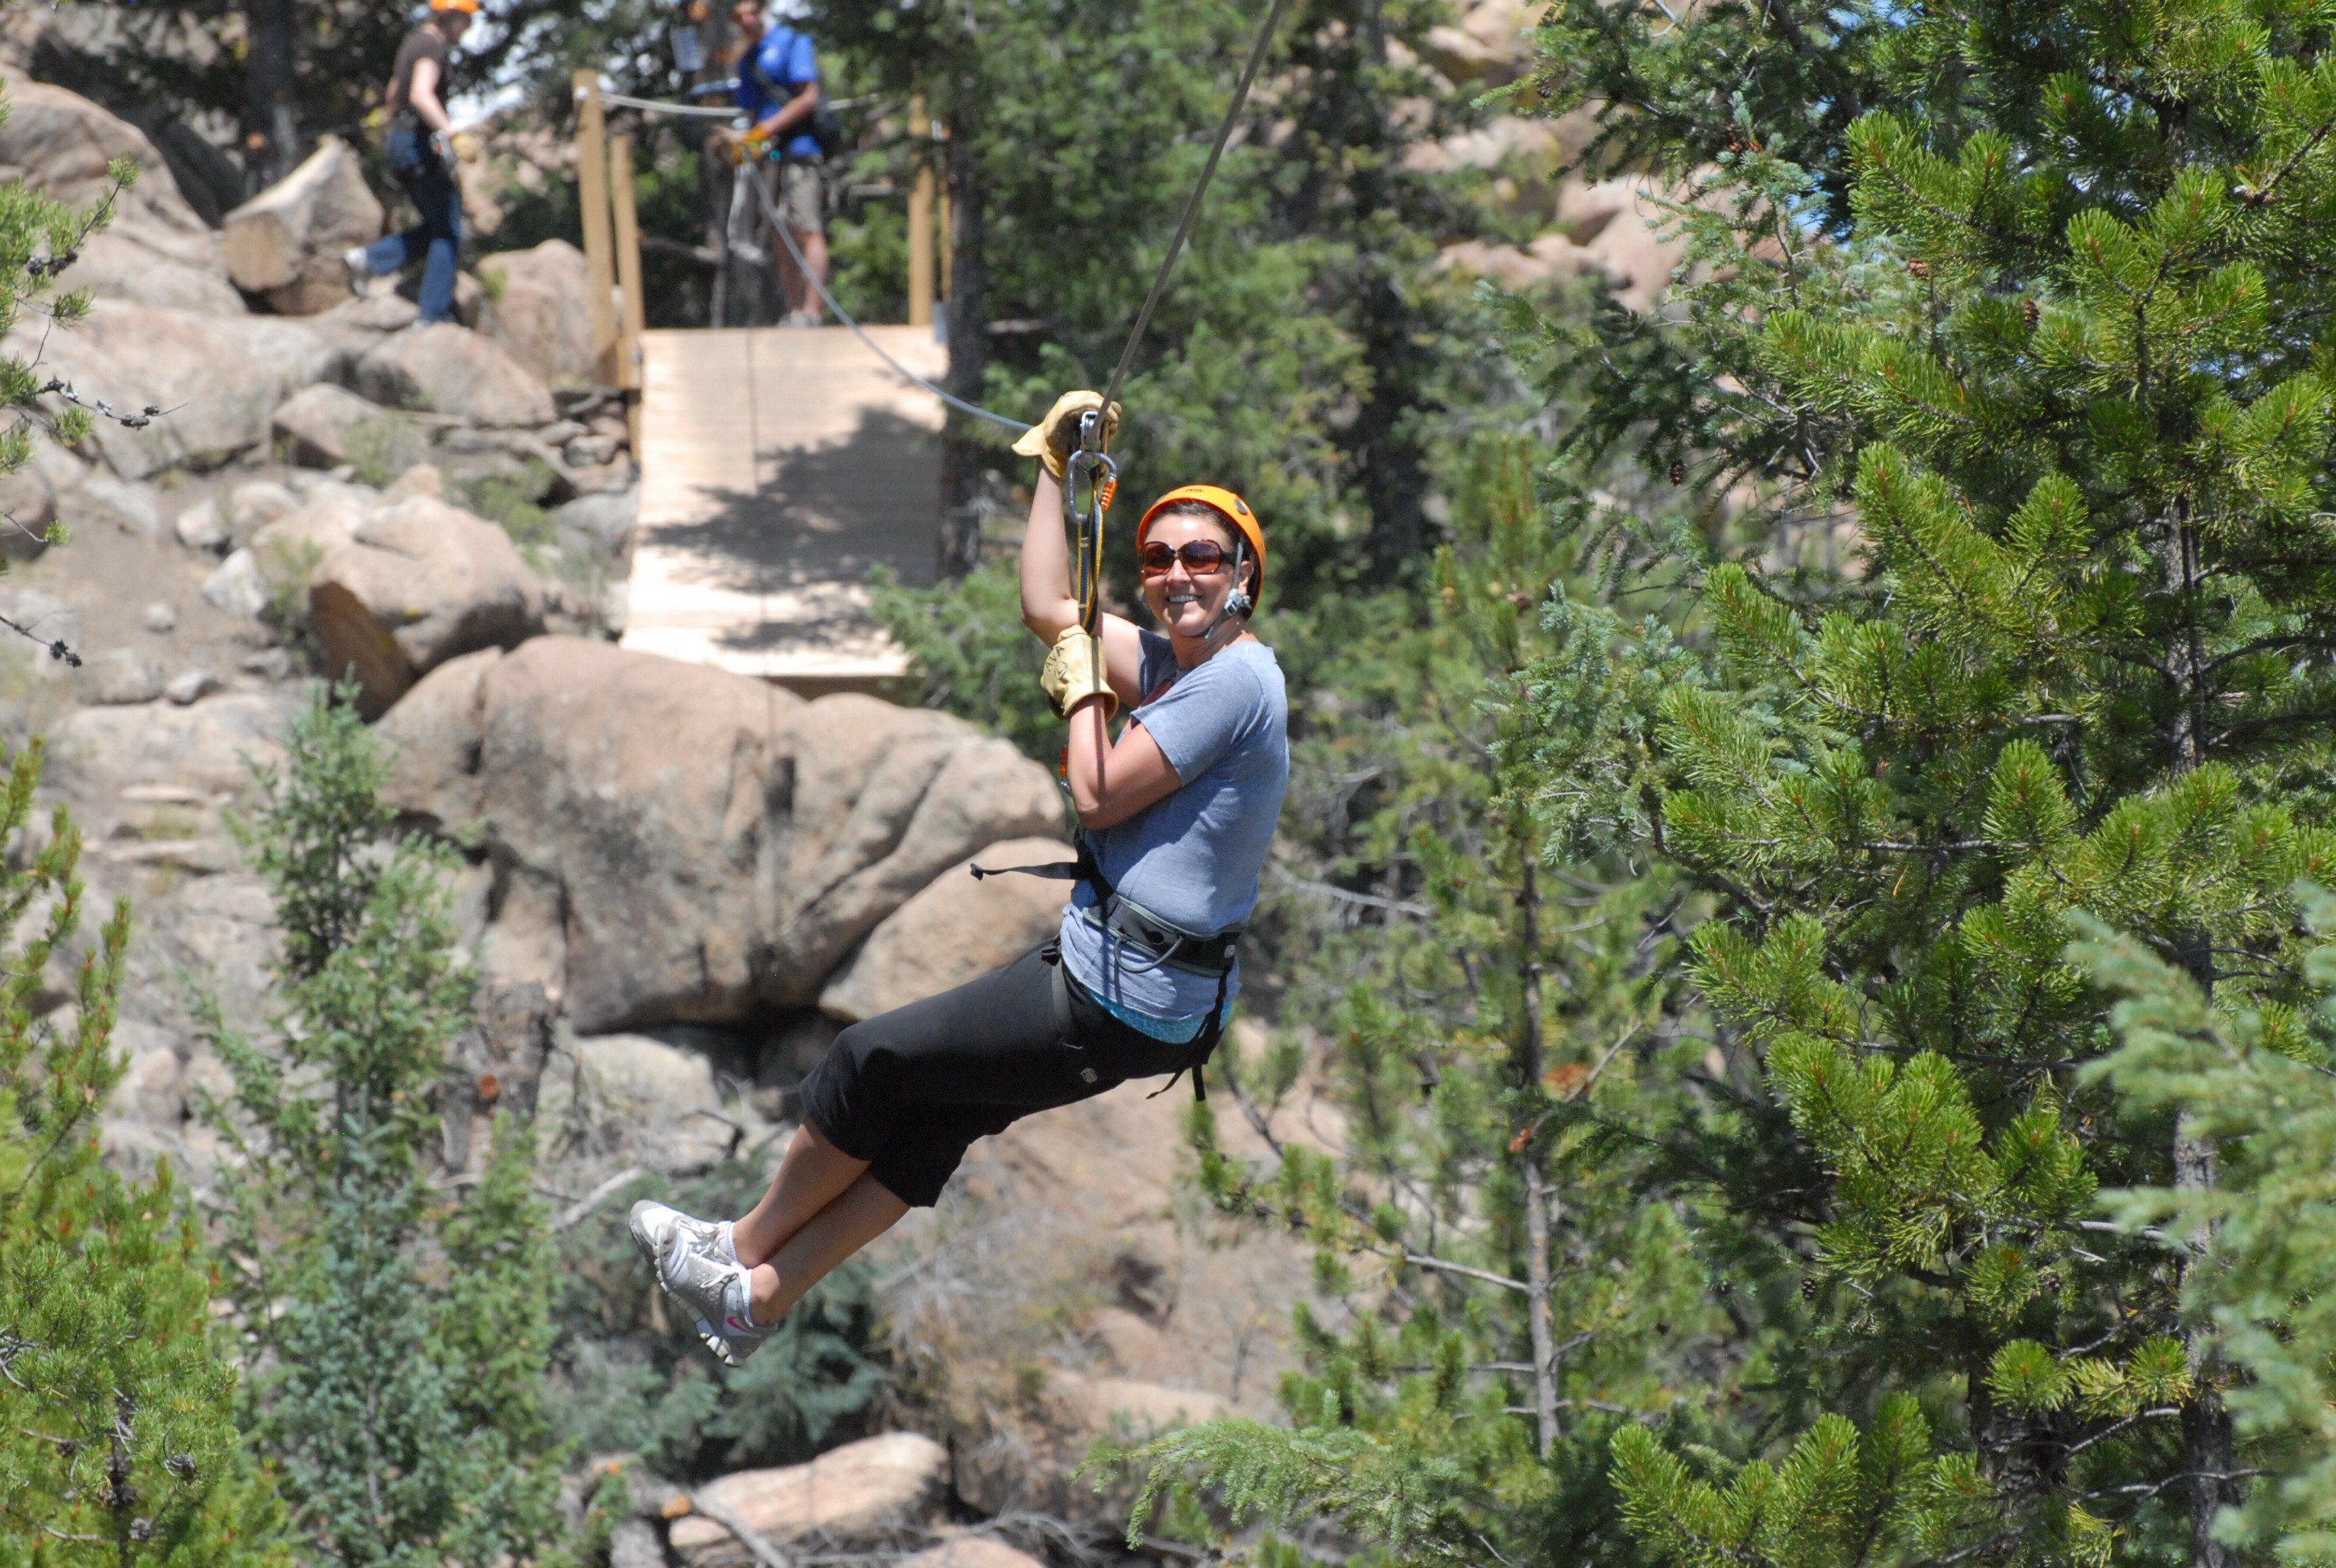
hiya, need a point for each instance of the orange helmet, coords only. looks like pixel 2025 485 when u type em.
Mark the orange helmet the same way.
pixel 1226 505
pixel 468 8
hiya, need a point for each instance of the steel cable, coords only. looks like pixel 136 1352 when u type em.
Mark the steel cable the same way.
pixel 1192 205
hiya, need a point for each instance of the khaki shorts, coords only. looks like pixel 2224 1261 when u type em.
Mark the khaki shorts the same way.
pixel 802 207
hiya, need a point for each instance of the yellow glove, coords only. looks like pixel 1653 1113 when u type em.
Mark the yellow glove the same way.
pixel 1051 439
pixel 1075 673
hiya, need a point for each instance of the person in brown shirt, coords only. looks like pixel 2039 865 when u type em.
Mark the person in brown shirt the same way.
pixel 421 158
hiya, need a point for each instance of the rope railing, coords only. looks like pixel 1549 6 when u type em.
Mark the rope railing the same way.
pixel 770 212
pixel 1151 298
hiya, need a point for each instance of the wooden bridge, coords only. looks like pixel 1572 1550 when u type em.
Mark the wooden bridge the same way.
pixel 778 466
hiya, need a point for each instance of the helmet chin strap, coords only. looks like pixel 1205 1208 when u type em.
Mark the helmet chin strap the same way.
pixel 1238 602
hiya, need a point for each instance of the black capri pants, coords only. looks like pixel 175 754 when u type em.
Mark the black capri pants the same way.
pixel 910 1090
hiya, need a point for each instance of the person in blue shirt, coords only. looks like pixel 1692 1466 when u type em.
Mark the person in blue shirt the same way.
pixel 778 87
pixel 1177 815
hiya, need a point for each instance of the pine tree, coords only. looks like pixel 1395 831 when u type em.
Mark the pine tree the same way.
pixel 2043 348
pixel 117 1436
pixel 397 1332
pixel 2260 1090
pixel 39 239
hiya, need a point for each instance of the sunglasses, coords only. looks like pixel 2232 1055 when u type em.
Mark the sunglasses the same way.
pixel 1201 558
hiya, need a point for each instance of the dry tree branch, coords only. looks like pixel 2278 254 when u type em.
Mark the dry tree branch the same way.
pixel 56 646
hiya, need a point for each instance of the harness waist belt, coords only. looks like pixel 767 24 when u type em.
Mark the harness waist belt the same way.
pixel 1209 954
pixel 1161 942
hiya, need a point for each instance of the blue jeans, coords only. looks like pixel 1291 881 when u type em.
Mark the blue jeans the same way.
pixel 440 201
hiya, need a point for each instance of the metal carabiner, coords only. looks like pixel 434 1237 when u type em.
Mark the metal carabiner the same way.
pixel 1091 468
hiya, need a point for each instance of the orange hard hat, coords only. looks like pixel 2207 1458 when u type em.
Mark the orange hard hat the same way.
pixel 1225 504
pixel 468 8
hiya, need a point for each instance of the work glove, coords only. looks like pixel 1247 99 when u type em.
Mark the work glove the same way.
pixel 1051 439
pixel 442 146
pixel 465 145
pixel 1074 672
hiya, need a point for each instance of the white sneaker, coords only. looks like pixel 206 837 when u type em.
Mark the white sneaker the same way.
pixel 360 269
pixel 659 1228
pixel 736 1336
pixel 697 1263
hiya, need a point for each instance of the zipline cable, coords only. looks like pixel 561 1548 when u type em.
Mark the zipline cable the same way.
pixel 1101 473
pixel 1192 205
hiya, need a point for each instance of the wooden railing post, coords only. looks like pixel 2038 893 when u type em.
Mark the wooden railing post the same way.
pixel 921 218
pixel 628 280
pixel 592 195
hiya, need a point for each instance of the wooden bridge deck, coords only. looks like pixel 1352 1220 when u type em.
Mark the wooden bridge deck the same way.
pixel 778 466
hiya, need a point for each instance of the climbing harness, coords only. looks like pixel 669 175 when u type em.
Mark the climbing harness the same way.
pixel 1158 941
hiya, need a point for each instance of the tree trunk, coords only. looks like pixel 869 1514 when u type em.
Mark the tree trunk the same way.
pixel 963 458
pixel 1539 1201
pixel 2208 1449
pixel 2209 1452
pixel 120 1497
pixel 272 114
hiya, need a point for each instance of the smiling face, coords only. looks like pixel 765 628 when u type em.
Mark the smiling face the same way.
pixel 1184 604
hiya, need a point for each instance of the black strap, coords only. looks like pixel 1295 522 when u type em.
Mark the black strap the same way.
pixel 1207 1040
pixel 1062 995
pixel 1054 871
pixel 1085 869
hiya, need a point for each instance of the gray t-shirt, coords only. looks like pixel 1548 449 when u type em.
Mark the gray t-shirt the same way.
pixel 1193 858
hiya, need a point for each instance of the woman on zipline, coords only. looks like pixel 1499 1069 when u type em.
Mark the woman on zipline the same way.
pixel 1176 818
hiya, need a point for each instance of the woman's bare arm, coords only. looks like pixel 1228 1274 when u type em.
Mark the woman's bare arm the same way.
pixel 1047 603
pixel 422 96
pixel 1110 784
